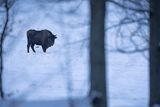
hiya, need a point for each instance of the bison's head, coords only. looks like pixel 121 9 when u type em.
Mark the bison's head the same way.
pixel 51 40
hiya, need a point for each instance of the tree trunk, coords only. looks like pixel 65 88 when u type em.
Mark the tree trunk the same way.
pixel 154 52
pixel 97 54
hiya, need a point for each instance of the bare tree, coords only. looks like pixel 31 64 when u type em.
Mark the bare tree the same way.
pixel 7 5
pixel 3 34
pixel 154 53
pixel 97 54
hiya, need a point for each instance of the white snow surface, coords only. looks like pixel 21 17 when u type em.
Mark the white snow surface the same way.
pixel 64 69
pixel 43 76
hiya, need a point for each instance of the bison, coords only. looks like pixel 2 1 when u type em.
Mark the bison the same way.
pixel 43 37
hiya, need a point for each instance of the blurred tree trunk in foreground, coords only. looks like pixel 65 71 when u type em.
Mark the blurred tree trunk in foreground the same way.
pixel 154 52
pixel 97 53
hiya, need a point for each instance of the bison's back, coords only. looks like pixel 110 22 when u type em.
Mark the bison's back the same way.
pixel 31 32
pixel 37 37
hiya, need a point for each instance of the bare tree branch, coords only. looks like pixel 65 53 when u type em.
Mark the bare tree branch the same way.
pixel 136 16
pixel 129 8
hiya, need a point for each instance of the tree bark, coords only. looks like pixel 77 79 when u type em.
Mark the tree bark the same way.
pixel 97 53
pixel 154 52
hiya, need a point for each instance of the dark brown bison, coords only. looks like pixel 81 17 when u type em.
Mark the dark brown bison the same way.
pixel 43 37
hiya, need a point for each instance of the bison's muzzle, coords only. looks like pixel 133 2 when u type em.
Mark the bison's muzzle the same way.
pixel 44 38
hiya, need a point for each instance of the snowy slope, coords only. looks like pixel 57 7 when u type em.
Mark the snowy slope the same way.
pixel 128 80
pixel 55 103
pixel 39 76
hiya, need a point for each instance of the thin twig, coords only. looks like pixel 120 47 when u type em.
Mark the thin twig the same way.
pixel 129 8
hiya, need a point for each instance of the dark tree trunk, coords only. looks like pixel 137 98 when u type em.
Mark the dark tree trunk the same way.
pixel 97 53
pixel 154 52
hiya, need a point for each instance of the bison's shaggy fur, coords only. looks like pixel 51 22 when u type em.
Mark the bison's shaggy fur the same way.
pixel 43 37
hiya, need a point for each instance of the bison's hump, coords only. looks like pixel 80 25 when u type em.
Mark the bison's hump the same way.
pixel 31 32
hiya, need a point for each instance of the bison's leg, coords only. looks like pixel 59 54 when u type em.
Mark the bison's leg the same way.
pixel 28 45
pixel 44 48
pixel 32 46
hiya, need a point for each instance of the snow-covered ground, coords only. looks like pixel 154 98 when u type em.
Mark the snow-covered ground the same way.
pixel 63 70
pixel 55 103
pixel 128 80
pixel 43 76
